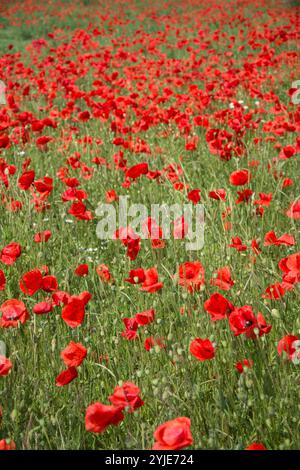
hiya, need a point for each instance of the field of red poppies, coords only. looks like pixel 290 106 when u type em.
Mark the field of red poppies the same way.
pixel 135 342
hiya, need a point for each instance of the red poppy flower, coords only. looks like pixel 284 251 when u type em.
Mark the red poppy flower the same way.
pixel 290 266
pixel 150 342
pixel 61 297
pixel 74 354
pixel 255 247
pixel 4 141
pixel 133 248
pixel 243 321
pixel 146 317
pixel 287 345
pixel 287 152
pixel 104 273
pixel 264 199
pixel 151 284
pixel 244 196
pixel 240 177
pixel 256 446
pixel 49 283
pixel 42 308
pixel 173 435
pixel 5 365
pixel 263 327
pixel 191 275
pixel 245 363
pixel 82 270
pixel 136 276
pixel 137 170
pixel 131 326
pixel 26 180
pixel 99 416
pixel 84 116
pixel 72 194
pixel 111 196
pixel 6 444
pixel 72 183
pixel 13 312
pixel 253 163
pixel 73 313
pixel 130 239
pixel 275 291
pixel 41 237
pixel 85 296
pixel 237 243
pixel 285 239
pixel 2 280
pixel 44 185
pixel 31 282
pixel 191 143
pixel 155 244
pixel 218 307
pixel 294 210
pixel 66 376
pixel 202 349
pixel 287 182
pixel 223 279
pixel 43 140
pixel 78 210
pixel 218 194
pixel 10 253
pixel 194 196
pixel 127 397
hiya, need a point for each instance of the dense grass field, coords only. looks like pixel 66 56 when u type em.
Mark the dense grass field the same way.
pixel 203 97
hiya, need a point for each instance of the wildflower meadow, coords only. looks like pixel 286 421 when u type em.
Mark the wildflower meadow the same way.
pixel 149 225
